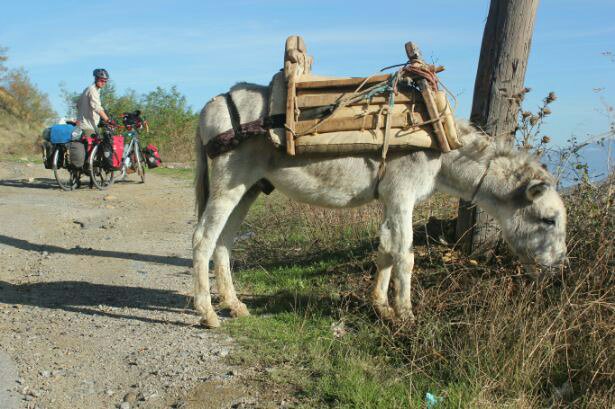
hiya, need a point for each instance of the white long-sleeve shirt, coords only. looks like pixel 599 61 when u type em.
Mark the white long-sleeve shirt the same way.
pixel 88 107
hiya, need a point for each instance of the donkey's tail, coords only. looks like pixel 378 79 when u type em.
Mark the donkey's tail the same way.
pixel 201 178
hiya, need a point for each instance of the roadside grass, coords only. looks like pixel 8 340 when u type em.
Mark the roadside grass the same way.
pixel 485 335
pixel 181 173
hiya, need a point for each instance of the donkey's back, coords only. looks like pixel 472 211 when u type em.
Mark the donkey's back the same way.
pixel 245 102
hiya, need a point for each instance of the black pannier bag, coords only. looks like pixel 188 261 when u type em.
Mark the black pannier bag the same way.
pixel 112 151
pixel 132 119
pixel 107 152
pixel 76 154
pixel 47 150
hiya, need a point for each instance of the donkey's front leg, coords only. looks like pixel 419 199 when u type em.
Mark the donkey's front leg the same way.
pixel 396 246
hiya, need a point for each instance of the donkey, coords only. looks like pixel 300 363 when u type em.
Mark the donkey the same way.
pixel 510 185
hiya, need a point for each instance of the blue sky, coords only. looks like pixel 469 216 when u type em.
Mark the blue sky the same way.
pixel 204 47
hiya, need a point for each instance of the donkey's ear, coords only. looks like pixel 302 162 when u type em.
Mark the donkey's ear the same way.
pixel 535 188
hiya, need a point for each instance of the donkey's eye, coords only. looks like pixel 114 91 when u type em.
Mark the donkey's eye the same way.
pixel 548 221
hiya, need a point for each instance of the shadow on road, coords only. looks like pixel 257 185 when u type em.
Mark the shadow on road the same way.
pixel 38 183
pixel 88 251
pixel 93 299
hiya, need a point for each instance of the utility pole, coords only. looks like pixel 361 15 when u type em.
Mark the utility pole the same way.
pixel 498 91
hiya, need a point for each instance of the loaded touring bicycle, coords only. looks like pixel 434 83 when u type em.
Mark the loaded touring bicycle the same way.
pixel 71 155
pixel 104 157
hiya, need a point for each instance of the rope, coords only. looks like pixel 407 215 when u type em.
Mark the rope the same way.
pixel 389 87
pixel 480 182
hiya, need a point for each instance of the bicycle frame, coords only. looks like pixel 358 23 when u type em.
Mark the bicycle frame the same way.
pixel 133 146
pixel 132 157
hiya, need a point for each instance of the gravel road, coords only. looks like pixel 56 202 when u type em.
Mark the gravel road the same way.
pixel 94 300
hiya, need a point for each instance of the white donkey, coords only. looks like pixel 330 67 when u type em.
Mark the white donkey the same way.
pixel 510 185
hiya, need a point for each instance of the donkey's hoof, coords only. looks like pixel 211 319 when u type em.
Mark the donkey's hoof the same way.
pixel 239 310
pixel 384 311
pixel 405 315
pixel 210 321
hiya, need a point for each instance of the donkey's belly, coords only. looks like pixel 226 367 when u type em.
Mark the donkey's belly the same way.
pixel 332 182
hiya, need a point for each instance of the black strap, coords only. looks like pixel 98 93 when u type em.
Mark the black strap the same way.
pixel 274 121
pixel 234 113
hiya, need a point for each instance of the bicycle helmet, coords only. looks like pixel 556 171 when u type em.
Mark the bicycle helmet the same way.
pixel 101 73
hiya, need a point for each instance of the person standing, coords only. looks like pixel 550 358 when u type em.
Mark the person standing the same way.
pixel 89 108
pixel 89 113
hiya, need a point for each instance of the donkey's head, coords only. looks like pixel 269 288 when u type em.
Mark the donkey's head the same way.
pixel 530 211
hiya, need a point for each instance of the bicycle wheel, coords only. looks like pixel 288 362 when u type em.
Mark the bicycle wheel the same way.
pixel 122 172
pixel 99 175
pixel 67 178
pixel 140 163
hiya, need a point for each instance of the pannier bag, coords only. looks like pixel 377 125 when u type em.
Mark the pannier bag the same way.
pixel 132 119
pixel 113 150
pixel 88 142
pixel 61 133
pixel 48 151
pixel 152 156
pixel 46 134
pixel 76 154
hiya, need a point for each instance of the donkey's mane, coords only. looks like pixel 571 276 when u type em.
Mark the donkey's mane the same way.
pixel 248 86
pixel 482 148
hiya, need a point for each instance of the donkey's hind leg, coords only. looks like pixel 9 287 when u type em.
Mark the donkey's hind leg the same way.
pixel 379 295
pixel 221 258
pixel 206 234
pixel 396 248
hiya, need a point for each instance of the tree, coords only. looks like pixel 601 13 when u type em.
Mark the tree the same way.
pixel 3 58
pixel 34 105
pixel 498 91
pixel 171 120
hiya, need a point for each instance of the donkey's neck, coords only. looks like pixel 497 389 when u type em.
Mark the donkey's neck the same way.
pixel 463 172
pixel 460 175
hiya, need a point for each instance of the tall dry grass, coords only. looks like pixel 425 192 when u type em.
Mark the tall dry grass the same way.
pixel 507 340
pixel 18 138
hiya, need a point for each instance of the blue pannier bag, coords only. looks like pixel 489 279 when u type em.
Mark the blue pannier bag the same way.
pixel 61 133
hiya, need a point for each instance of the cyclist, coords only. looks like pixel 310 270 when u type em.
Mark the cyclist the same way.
pixel 89 113
pixel 89 108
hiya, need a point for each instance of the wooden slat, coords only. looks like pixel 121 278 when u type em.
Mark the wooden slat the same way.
pixel 345 82
pixel 290 116
pixel 333 90
pixel 414 55
pixel 351 124
pixel 321 99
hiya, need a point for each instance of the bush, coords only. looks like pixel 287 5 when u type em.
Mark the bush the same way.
pixel 24 110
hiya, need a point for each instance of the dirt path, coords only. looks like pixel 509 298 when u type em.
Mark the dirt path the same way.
pixel 94 306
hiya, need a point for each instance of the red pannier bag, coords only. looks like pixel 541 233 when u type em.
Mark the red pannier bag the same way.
pixel 118 151
pixel 88 141
pixel 113 150
pixel 152 156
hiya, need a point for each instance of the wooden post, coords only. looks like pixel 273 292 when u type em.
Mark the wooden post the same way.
pixel 499 80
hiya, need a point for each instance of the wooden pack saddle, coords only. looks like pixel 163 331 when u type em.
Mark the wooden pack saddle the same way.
pixel 403 110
